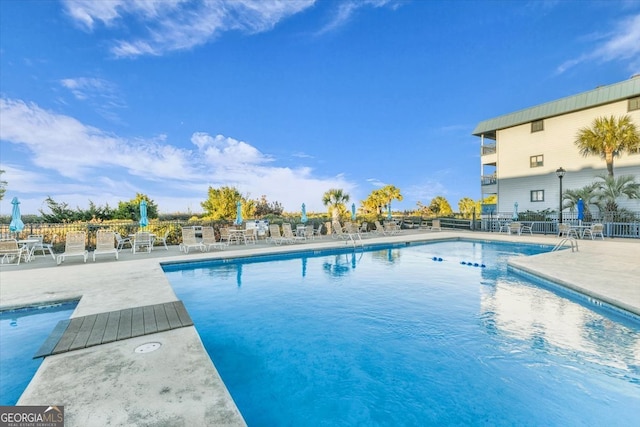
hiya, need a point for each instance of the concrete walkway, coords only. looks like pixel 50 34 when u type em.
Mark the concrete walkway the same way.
pixel 178 384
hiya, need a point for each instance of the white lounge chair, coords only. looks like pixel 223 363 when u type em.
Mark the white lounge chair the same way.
pixel 11 252
pixel 275 236
pixel 209 239
pixel 105 244
pixel 189 240
pixel 74 246
pixel 288 235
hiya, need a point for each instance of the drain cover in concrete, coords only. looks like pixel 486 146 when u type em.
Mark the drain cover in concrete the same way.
pixel 148 347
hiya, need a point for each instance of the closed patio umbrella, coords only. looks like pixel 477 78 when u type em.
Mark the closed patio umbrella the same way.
pixel 16 224
pixel 515 211
pixel 353 211
pixel 144 221
pixel 304 218
pixel 580 210
pixel 238 213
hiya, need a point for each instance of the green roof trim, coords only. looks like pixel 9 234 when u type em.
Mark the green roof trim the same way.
pixel 601 95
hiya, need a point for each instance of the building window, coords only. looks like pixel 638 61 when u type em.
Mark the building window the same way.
pixel 537 126
pixel 634 103
pixel 536 161
pixel 537 196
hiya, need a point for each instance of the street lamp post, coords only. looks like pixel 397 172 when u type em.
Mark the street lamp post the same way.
pixel 560 173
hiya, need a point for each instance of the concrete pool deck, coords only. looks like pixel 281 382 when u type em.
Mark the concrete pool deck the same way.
pixel 178 384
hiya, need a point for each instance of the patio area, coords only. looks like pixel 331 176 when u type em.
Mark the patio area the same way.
pixel 178 384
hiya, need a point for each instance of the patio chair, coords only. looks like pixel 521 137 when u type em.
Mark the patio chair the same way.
pixel 41 246
pixel 250 236
pixel 435 225
pixel 379 228
pixel 74 246
pixel 594 231
pixel 189 240
pixel 121 241
pixel 275 236
pixel 392 228
pixel 515 228
pixel 288 235
pixel 526 229
pixel 162 240
pixel 209 239
pixel 364 228
pixel 142 239
pixel 105 244
pixel 565 230
pixel 11 251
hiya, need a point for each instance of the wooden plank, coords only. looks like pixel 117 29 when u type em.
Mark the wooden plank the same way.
pixel 99 326
pixel 161 318
pixel 172 315
pixel 68 337
pixel 111 329
pixel 50 343
pixel 137 322
pixel 83 334
pixel 150 326
pixel 124 328
pixel 103 328
pixel 185 319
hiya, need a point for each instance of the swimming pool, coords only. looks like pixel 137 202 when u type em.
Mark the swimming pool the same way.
pixel 22 332
pixel 409 336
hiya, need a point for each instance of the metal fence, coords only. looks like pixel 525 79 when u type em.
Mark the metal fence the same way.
pixel 616 224
pixel 625 225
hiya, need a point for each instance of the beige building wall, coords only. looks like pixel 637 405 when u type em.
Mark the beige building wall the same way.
pixel 516 145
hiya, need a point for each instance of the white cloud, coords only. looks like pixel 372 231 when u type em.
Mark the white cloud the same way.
pixel 181 24
pixel 100 94
pixel 347 9
pixel 621 44
pixel 75 163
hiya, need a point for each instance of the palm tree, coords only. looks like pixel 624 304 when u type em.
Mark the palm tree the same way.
pixel 390 192
pixel 589 195
pixel 335 199
pixel 610 189
pixel 608 137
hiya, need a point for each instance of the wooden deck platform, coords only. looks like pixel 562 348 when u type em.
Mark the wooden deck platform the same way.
pixel 102 328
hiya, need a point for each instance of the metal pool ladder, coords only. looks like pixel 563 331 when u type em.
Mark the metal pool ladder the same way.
pixel 571 240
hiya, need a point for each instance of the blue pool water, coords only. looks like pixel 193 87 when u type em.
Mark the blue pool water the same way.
pixel 22 332
pixel 393 337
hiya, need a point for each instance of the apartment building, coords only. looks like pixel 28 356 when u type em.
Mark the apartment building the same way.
pixel 521 151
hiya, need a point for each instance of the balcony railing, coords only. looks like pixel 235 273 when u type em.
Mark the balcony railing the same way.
pixel 489 179
pixel 488 149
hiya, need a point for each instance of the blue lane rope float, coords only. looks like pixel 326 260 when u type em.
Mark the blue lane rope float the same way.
pixel 473 264
pixel 435 258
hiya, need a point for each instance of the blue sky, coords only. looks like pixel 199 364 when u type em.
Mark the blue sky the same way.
pixel 100 100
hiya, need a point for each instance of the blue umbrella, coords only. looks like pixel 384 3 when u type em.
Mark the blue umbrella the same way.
pixel 353 211
pixel 515 211
pixel 389 211
pixel 304 214
pixel 144 221
pixel 238 213
pixel 16 222
pixel 580 209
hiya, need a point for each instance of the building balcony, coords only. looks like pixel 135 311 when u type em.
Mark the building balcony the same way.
pixel 489 179
pixel 487 149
